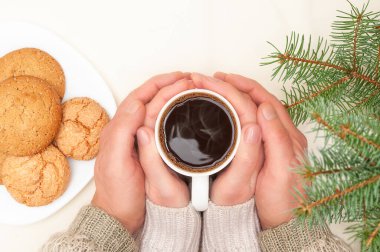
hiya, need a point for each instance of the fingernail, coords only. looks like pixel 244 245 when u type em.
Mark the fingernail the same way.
pixel 133 107
pixel 142 137
pixel 269 112
pixel 252 134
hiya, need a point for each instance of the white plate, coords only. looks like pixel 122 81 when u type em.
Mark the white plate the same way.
pixel 81 80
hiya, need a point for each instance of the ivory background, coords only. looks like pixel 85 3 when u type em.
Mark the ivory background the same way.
pixel 129 41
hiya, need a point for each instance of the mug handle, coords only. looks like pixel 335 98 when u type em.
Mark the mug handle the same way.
pixel 199 192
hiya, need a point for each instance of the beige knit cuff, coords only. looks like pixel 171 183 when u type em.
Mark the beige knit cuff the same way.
pixel 171 229
pixel 230 228
pixel 106 232
pixel 297 236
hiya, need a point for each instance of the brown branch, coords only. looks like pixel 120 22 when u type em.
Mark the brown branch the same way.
pixel 367 98
pixel 339 194
pixel 378 64
pixel 340 134
pixel 346 130
pixel 286 56
pixel 309 175
pixel 373 235
pixel 374 116
pixel 337 83
pixel 356 31
pixel 364 214
pixel 320 120
pixel 365 77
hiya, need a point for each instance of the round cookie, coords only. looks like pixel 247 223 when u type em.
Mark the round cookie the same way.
pixel 83 120
pixel 2 158
pixel 30 115
pixel 33 62
pixel 36 180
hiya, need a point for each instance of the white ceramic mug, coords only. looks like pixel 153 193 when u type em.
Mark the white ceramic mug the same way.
pixel 200 180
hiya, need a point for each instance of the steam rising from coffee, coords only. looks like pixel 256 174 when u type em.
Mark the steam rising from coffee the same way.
pixel 198 132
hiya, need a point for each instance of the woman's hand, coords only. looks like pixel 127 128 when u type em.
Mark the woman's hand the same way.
pixel 284 147
pixel 119 178
pixel 236 184
pixel 163 186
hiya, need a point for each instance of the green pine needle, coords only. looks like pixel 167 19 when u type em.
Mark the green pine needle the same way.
pixel 337 85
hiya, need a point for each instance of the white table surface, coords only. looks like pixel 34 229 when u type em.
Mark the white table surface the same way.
pixel 129 41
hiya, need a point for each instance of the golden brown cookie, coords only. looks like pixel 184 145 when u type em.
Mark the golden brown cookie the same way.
pixel 30 115
pixel 83 120
pixel 37 180
pixel 33 62
pixel 2 158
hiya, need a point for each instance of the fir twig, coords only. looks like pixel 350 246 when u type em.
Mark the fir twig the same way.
pixel 364 140
pixel 358 22
pixel 287 57
pixel 310 175
pixel 337 85
pixel 366 78
pixel 319 92
pixel 373 235
pixel 308 207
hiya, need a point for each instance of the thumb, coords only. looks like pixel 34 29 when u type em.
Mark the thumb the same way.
pixel 278 145
pixel 124 125
pixel 248 156
pixel 150 160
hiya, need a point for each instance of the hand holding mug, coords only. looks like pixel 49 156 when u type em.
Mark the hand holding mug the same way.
pixel 163 187
pixel 236 184
pixel 284 146
pixel 119 178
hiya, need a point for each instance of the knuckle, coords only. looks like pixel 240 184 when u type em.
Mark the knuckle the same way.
pixel 281 135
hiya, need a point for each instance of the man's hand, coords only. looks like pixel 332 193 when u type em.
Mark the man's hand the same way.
pixel 163 186
pixel 236 184
pixel 119 178
pixel 284 147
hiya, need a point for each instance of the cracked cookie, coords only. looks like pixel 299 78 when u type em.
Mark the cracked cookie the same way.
pixel 2 158
pixel 33 62
pixel 30 115
pixel 37 180
pixel 83 120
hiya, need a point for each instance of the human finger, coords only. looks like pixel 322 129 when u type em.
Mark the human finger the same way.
pixel 244 107
pixel 259 95
pixel 278 145
pixel 162 97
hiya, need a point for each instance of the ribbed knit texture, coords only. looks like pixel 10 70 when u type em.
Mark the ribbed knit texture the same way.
pixel 231 228
pixel 295 236
pixel 171 229
pixel 92 230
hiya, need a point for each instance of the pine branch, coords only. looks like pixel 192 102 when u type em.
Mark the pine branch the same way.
pixel 310 175
pixel 319 92
pixel 358 21
pixel 338 87
pixel 373 235
pixel 308 207
pixel 366 99
pixel 286 57
pixel 364 140
pixel 378 61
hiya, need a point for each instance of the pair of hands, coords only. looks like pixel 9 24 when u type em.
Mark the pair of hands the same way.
pixel 123 177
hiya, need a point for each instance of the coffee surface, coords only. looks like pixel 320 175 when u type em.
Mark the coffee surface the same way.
pixel 199 132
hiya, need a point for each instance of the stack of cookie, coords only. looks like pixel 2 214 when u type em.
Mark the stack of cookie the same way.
pixel 37 133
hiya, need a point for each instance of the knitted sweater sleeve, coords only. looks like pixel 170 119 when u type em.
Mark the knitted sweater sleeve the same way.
pixel 296 236
pixel 92 230
pixel 170 229
pixel 231 228
pixel 237 228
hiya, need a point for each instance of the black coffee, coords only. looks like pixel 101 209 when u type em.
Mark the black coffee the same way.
pixel 198 132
